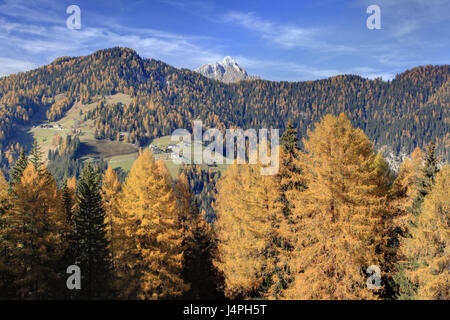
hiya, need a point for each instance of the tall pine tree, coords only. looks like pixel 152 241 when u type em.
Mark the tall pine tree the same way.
pixel 91 247
pixel 401 196
pixel 198 245
pixel 19 167
pixel 290 179
pixel 35 156
pixel 426 180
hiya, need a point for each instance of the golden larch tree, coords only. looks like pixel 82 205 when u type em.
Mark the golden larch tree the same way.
pixel 111 189
pixel 151 261
pixel 33 232
pixel 429 244
pixel 338 216
pixel 5 271
pixel 246 208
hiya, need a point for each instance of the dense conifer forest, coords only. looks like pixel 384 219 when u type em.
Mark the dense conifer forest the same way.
pixel 334 211
pixel 402 114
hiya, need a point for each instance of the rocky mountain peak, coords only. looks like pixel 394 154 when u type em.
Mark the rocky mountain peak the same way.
pixel 226 70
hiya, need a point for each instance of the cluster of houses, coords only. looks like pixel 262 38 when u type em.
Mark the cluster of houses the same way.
pixel 172 150
pixel 53 126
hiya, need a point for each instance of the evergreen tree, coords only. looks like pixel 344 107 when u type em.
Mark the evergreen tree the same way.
pixel 291 180
pixel 426 179
pixel 198 244
pixel 422 170
pixel 290 172
pixel 401 196
pixel 19 167
pixel 35 156
pixel 91 252
pixel 289 140
pixel 68 201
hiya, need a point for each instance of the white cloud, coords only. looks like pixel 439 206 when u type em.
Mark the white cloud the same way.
pixel 54 40
pixel 9 66
pixel 42 11
pixel 284 35
pixel 41 36
pixel 291 71
pixel 371 73
pixel 404 17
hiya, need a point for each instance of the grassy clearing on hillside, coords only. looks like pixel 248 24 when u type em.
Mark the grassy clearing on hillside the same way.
pixel 123 161
pixel 73 121
pixel 117 154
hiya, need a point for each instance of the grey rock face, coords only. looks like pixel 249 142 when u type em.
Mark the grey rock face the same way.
pixel 226 70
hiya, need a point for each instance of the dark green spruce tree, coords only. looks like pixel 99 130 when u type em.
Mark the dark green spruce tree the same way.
pixel 289 168
pixel 290 179
pixel 19 166
pixel 35 156
pixel 289 140
pixel 426 182
pixel 67 203
pixel 68 257
pixel 198 268
pixel 404 289
pixel 90 245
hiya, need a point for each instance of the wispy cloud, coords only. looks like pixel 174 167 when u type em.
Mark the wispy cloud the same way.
pixel 292 71
pixel 9 66
pixel 42 11
pixel 284 35
pixel 404 17
pixel 371 73
pixel 35 33
pixel 54 40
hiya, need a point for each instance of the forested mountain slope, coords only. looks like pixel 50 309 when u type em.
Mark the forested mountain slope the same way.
pixel 409 111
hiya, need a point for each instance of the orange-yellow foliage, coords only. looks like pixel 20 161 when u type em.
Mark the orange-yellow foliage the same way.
pixel 245 209
pixel 150 261
pixel 110 194
pixel 429 244
pixel 338 215
pixel 33 231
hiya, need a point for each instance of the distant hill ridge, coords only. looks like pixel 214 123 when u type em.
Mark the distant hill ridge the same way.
pixel 409 111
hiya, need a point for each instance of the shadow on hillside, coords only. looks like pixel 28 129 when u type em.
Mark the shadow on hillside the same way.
pixel 23 137
pixel 88 149
pixel 105 148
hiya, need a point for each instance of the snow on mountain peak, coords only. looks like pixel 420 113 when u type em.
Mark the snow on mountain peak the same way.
pixel 226 70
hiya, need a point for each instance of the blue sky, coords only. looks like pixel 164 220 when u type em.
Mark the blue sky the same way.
pixel 277 40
